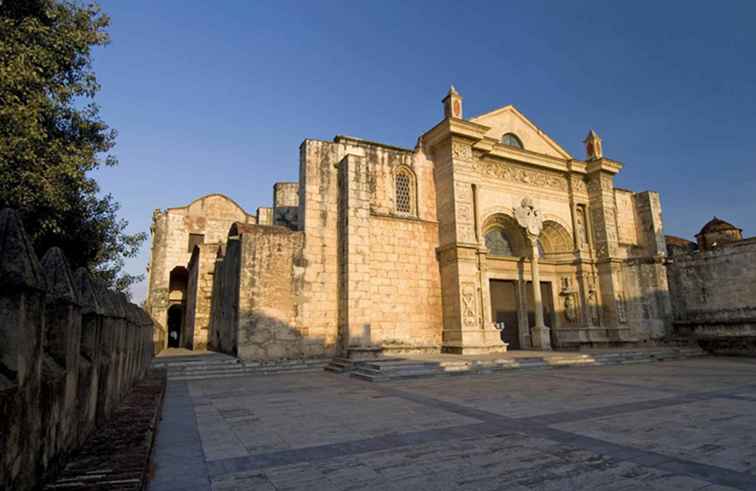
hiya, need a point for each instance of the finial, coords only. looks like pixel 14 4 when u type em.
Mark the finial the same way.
pixel 453 104
pixel 593 147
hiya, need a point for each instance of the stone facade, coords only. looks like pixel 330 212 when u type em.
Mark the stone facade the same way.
pixel 386 249
pixel 70 350
pixel 175 233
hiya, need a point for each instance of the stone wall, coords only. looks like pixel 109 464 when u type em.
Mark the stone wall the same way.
pixel 69 351
pixel 271 326
pixel 714 296
pixel 224 320
pixel 403 273
pixel 199 293
pixel 389 277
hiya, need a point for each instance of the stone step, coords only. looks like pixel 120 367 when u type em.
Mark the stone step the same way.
pixel 195 363
pixel 384 371
pixel 268 370
pixel 395 367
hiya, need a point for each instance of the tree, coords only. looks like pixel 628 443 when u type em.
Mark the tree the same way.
pixel 52 137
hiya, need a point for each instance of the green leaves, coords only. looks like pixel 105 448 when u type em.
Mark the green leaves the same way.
pixel 50 139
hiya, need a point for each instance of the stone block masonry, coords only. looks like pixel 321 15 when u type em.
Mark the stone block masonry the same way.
pixel 70 350
pixel 714 296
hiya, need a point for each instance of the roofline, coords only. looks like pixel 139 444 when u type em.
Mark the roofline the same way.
pixel 549 140
pixel 340 138
pixel 208 196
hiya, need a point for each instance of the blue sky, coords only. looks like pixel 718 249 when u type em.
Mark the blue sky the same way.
pixel 217 96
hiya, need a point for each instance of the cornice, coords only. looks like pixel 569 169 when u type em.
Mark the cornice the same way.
pixel 492 148
pixel 605 165
pixel 456 127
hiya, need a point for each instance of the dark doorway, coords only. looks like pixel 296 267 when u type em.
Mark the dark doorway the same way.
pixel 547 298
pixel 175 323
pixel 504 311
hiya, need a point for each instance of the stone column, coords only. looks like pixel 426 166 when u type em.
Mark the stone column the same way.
pixel 531 220
pixel 541 335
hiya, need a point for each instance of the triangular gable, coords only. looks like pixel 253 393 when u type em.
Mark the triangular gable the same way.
pixel 508 119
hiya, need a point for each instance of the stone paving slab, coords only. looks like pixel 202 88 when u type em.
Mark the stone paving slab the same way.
pixel 679 425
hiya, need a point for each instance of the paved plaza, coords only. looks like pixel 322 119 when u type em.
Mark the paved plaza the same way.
pixel 683 424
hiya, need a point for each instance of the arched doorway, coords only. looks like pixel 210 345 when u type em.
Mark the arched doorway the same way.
pixel 505 240
pixel 175 325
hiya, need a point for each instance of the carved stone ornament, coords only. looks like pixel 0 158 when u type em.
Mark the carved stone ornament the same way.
pixel 621 309
pixel 529 218
pixel 519 175
pixel 469 312
pixel 570 308
pixel 461 151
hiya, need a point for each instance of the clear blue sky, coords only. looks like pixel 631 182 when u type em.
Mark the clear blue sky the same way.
pixel 217 96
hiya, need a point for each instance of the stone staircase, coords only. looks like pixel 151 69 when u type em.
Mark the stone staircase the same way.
pixel 384 370
pixel 211 365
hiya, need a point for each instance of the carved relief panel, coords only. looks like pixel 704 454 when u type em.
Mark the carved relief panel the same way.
pixel 469 305
pixel 521 175
pixel 465 212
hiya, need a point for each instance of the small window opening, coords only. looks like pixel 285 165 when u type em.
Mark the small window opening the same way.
pixel 510 139
pixel 403 185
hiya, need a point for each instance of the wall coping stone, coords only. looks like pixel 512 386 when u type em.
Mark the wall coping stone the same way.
pixel 60 282
pixel 19 266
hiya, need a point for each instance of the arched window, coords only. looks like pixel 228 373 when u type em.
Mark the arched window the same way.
pixel 404 189
pixel 498 243
pixel 510 139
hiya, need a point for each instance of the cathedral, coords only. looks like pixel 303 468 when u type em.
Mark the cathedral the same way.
pixel 488 236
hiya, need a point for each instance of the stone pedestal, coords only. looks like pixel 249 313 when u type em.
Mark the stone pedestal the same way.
pixel 541 337
pixel 476 341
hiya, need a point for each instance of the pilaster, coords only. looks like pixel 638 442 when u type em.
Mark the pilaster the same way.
pixel 603 214
pixel 354 245
pixel 467 325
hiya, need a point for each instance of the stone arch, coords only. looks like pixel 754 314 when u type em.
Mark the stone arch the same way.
pixel 198 205
pixel 405 190
pixel 555 238
pixel 177 283
pixel 509 230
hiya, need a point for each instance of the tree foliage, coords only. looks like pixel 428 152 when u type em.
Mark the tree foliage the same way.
pixel 52 136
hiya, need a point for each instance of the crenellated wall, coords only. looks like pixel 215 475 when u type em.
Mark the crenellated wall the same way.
pixel 69 351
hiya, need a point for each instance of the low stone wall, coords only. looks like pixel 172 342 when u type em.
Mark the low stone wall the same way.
pixel 70 350
pixel 714 296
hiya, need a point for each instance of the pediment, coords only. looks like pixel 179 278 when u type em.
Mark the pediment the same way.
pixel 508 119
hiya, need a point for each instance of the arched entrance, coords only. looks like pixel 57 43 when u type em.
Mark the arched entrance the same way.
pixel 175 325
pixel 511 294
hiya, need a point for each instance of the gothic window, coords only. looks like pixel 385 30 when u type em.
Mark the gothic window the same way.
pixel 497 243
pixel 510 139
pixel 404 189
